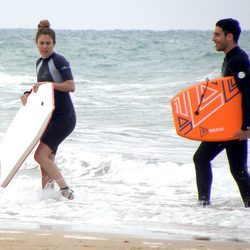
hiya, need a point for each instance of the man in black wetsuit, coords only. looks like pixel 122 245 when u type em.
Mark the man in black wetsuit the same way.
pixel 236 63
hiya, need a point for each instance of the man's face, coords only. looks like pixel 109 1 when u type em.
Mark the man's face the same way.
pixel 220 39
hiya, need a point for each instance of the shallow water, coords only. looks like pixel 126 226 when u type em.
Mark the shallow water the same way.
pixel 130 172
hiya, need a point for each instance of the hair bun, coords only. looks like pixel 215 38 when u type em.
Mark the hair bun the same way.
pixel 43 24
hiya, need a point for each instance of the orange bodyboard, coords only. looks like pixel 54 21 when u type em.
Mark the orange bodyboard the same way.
pixel 208 111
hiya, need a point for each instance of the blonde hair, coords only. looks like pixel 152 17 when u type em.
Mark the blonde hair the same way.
pixel 43 28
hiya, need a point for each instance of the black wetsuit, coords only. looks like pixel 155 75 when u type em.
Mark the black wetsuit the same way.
pixel 236 63
pixel 56 69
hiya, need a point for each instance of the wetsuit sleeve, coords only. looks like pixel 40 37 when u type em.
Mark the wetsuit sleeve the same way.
pixel 63 67
pixel 241 72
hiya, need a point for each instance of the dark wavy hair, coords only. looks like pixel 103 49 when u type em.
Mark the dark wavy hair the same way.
pixel 44 29
pixel 230 25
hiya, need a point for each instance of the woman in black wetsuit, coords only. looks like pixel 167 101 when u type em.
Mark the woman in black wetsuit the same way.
pixel 52 67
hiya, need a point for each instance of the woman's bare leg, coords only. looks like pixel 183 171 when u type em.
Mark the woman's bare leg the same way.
pixel 50 171
pixel 47 182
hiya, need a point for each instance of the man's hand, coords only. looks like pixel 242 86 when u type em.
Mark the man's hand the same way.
pixel 243 135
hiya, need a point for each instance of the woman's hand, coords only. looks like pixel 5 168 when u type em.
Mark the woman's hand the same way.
pixel 25 96
pixel 36 86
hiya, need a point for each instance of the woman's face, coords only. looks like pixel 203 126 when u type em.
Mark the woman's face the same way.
pixel 45 45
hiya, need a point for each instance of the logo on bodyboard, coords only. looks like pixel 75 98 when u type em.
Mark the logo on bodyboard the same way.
pixel 203 131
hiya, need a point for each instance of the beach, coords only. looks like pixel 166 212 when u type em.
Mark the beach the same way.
pixel 51 240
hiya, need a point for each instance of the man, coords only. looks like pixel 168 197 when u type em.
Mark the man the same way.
pixel 236 63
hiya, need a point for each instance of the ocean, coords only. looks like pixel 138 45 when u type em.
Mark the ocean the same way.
pixel 130 172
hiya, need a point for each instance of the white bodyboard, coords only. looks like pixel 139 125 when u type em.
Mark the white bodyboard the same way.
pixel 25 131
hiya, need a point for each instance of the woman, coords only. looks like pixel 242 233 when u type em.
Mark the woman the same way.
pixel 52 67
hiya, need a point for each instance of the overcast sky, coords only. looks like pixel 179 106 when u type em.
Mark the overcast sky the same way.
pixel 123 14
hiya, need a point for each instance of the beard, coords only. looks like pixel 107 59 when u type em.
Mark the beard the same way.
pixel 221 46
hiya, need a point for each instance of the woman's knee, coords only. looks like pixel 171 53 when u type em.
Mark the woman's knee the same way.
pixel 37 156
pixel 41 153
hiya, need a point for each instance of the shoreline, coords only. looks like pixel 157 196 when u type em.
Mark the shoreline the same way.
pixel 67 240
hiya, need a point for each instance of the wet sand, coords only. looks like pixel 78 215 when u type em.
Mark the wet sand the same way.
pixel 54 240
